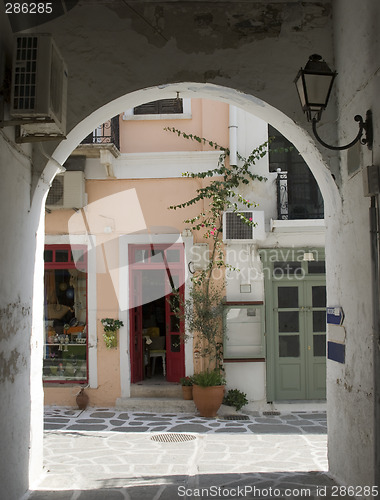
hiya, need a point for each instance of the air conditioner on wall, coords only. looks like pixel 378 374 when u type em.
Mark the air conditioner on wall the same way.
pixel 236 231
pixel 39 88
pixel 67 191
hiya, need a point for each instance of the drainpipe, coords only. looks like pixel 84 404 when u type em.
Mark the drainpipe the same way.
pixel 233 134
pixel 374 231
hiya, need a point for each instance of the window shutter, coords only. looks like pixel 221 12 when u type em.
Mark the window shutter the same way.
pixel 163 106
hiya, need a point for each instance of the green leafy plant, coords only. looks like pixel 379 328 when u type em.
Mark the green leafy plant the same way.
pixel 208 378
pixel 203 311
pixel 186 381
pixel 111 326
pixel 235 398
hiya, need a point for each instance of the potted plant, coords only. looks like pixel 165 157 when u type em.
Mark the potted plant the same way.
pixel 202 311
pixel 208 392
pixel 111 326
pixel 187 387
pixel 235 398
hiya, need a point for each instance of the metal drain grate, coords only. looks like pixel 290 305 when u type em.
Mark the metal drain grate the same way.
pixel 172 438
pixel 273 413
pixel 235 417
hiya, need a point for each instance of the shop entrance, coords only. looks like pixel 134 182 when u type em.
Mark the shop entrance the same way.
pixel 156 334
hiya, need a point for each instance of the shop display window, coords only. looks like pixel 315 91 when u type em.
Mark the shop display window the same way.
pixel 65 314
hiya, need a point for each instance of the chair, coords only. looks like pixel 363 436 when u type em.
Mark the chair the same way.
pixel 156 350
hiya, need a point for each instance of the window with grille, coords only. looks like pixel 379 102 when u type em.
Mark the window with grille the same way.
pixel 304 197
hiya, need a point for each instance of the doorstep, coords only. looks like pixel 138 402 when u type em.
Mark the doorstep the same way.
pixel 166 405
pixel 156 405
pixel 156 391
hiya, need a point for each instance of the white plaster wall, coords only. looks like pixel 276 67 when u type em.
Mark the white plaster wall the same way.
pixel 252 132
pixel 268 88
pixel 350 385
pixel 20 374
pixel 248 378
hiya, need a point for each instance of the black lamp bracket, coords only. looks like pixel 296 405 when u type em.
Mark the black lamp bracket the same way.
pixel 364 127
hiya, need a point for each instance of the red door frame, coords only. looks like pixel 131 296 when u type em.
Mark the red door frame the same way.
pixel 175 361
pixel 135 318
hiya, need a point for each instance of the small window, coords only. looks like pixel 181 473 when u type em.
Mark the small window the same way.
pixel 281 269
pixel 161 107
pixel 62 255
pixel 48 256
pixel 316 267
pixel 244 332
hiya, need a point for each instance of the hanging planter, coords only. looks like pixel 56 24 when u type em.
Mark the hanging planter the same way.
pixel 111 327
pixel 110 340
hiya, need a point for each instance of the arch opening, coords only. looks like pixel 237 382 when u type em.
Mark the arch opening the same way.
pixel 285 125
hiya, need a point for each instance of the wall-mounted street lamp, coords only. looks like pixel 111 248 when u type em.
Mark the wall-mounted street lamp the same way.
pixel 314 84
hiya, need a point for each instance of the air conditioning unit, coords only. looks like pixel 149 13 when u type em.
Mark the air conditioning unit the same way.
pixel 67 191
pixel 236 231
pixel 39 87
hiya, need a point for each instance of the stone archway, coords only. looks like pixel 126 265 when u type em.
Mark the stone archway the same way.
pixel 296 134
pixel 262 110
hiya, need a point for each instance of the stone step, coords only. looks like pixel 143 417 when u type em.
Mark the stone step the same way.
pixel 156 391
pixel 156 405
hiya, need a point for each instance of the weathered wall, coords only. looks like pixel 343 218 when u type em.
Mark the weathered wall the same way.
pixel 112 49
pixel 254 47
pixel 17 248
pixel 351 390
pixel 19 371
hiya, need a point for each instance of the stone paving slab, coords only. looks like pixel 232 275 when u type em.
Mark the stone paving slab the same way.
pixel 121 461
pixel 110 419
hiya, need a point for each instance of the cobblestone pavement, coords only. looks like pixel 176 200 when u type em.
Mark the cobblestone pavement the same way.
pixel 104 453
pixel 110 419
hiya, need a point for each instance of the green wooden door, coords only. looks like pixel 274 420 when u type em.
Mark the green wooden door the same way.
pixel 315 311
pixel 299 339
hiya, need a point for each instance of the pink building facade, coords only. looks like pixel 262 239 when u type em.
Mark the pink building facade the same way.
pixel 115 250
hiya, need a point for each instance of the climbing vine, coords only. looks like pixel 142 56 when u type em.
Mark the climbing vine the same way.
pixel 203 310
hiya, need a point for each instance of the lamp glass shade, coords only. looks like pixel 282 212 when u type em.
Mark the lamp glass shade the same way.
pixel 314 84
pixel 317 90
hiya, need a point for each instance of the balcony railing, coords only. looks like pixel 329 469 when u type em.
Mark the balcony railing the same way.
pixel 293 207
pixel 107 133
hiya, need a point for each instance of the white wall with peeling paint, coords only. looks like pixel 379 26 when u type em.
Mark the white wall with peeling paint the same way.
pixel 261 66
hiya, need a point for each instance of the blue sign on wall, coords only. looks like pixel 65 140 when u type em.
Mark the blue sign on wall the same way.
pixel 336 352
pixel 335 315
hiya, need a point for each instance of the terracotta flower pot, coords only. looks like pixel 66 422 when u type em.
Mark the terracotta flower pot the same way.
pixel 187 391
pixel 208 399
pixel 82 400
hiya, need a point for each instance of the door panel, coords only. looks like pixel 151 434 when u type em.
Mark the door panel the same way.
pixel 155 270
pixel 289 342
pixel 290 377
pixel 299 339
pixel 316 339
pixel 136 325
pixel 175 349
